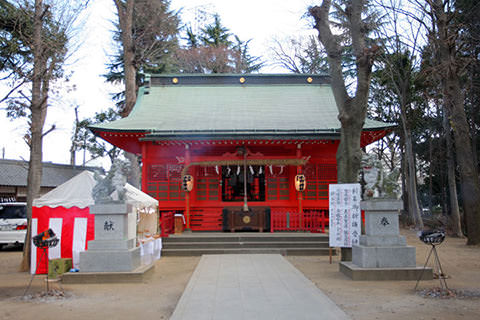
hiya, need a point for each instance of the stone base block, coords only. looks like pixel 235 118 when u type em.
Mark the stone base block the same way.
pixel 381 205
pixel 388 274
pixel 137 275
pixel 383 241
pixel 384 257
pixel 107 245
pixel 110 261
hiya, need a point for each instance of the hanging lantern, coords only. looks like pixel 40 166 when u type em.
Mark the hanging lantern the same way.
pixel 300 182
pixel 187 183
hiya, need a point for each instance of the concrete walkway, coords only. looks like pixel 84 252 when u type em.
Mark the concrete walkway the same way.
pixel 252 286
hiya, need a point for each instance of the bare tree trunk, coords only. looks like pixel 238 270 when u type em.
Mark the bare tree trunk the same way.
pixel 349 153
pixel 473 125
pixel 444 175
pixel 468 170
pixel 413 208
pixel 352 111
pixel 130 77
pixel 454 104
pixel 474 146
pixel 125 18
pixel 430 175
pixel 75 134
pixel 405 194
pixel 38 113
pixel 452 183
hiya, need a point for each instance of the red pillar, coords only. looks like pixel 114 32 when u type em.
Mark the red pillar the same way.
pixel 187 194
pixel 144 166
pixel 299 193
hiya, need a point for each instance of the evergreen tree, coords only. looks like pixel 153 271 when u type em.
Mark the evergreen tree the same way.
pixel 146 35
pixel 216 50
pixel 153 42
pixel 34 37
pixel 84 140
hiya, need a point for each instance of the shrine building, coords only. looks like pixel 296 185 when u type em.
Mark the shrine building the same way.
pixel 226 150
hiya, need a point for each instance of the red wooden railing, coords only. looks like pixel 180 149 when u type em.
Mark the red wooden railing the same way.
pixel 312 220
pixel 206 219
pixel 166 223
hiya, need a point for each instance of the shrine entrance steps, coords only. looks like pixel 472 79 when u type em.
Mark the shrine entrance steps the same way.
pixel 288 243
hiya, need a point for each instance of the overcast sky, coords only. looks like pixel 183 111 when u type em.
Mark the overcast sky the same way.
pixel 258 20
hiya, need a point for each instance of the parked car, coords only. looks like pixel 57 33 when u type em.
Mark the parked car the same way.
pixel 13 223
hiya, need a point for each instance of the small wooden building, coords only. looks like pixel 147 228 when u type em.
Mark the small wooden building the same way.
pixel 242 139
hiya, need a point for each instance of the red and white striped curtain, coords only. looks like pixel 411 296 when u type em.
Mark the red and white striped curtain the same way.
pixel 73 226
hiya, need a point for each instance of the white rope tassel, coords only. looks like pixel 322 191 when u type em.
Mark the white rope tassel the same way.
pixel 251 170
pixel 238 170
pixel 271 170
pixel 216 170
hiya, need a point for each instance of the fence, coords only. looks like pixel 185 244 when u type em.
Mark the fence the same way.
pixel 206 219
pixel 312 220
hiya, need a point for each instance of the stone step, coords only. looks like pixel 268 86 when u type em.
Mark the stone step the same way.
pixel 138 275
pixel 282 251
pixel 247 238
pixel 246 244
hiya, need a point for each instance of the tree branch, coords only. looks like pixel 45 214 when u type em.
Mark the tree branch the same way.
pixel 334 51
pixel 53 127
pixel 12 90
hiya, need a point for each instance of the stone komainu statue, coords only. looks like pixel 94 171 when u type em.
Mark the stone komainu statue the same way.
pixel 103 189
pixel 372 175
pixel 119 177
pixel 377 183
pixel 114 181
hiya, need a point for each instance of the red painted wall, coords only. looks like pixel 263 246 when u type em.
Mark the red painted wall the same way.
pixel 163 162
pixel 170 156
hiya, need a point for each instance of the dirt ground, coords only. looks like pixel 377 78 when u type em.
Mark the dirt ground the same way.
pixel 391 300
pixel 156 297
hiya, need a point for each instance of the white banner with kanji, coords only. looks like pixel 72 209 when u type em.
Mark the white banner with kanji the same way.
pixel 345 214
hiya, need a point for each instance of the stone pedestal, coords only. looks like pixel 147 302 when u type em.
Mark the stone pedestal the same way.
pixel 383 253
pixel 113 249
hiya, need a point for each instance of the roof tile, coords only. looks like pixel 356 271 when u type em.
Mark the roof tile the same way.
pixel 232 108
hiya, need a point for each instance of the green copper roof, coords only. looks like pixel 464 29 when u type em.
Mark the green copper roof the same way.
pixel 179 104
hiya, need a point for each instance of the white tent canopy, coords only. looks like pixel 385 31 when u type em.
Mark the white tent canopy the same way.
pixel 77 192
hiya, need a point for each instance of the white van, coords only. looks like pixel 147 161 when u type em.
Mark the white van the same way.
pixel 13 223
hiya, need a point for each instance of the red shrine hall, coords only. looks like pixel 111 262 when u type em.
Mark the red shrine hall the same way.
pixel 237 152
